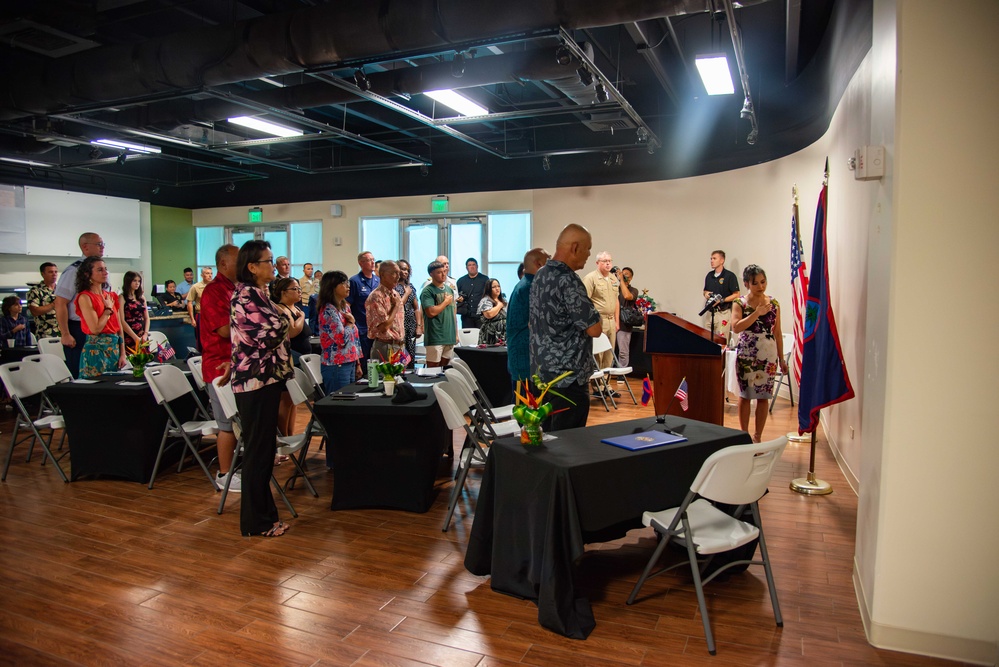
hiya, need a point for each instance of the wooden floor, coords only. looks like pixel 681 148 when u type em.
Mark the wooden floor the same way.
pixel 109 573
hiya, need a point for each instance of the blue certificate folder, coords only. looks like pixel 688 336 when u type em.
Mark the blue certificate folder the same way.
pixel 644 440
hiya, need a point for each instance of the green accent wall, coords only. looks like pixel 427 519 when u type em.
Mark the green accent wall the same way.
pixel 172 239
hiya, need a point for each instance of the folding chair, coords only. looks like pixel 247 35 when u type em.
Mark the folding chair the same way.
pixel 621 372
pixel 736 475
pixel 599 377
pixel 168 383
pixel 228 401
pixel 468 337
pixel 158 337
pixel 194 364
pixel 495 413
pixel 455 419
pixel 300 388
pixel 783 378
pixel 52 346
pixel 480 417
pixel 312 364
pixel 24 380
pixel 55 367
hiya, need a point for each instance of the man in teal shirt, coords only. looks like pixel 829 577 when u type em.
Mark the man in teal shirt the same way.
pixel 518 353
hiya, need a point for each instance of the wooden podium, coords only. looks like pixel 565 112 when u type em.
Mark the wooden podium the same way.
pixel 680 349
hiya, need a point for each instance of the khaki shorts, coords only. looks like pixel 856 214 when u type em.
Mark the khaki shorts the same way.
pixel 437 352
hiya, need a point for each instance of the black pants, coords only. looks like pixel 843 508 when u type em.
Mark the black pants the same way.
pixel 73 354
pixel 258 412
pixel 576 415
pixel 470 321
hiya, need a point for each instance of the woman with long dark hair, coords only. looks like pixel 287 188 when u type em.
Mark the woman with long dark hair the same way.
pixel 492 314
pixel 134 314
pixel 338 334
pixel 100 319
pixel 412 313
pixel 261 364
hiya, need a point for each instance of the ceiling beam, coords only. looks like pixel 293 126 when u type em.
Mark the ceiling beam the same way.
pixel 646 51
pixel 791 41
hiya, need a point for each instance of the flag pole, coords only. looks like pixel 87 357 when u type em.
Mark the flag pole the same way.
pixel 662 419
pixel 794 436
pixel 811 485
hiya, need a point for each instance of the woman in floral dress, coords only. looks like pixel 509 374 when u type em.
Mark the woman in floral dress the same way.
pixel 412 313
pixel 492 314
pixel 756 318
pixel 135 315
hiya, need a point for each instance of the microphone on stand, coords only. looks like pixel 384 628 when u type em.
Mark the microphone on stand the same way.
pixel 710 303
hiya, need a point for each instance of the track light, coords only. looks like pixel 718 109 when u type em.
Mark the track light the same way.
pixel 751 139
pixel 230 187
pixel 546 164
pixel 95 153
pixel 424 170
pixel 747 109
pixel 619 160
pixel 121 159
pixel 641 135
pixel 155 190
pixel 562 55
pixel 585 77
pixel 360 80
pixel 601 92
pixel 458 65
pixel 615 159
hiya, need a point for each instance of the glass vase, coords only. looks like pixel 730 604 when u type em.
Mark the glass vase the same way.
pixel 531 435
pixel 138 371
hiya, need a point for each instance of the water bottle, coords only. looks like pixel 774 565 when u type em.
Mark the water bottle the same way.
pixel 372 373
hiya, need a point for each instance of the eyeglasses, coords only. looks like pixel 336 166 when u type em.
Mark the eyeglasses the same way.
pixel 99 245
pixel 294 289
pixel 263 261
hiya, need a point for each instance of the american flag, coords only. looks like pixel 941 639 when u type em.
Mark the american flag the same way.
pixel 681 393
pixel 799 288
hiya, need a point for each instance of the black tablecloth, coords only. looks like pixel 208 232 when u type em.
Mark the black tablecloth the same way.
pixel 114 429
pixel 11 354
pixel 536 509
pixel 384 454
pixel 488 365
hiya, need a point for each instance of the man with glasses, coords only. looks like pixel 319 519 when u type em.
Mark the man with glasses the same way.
pixel 602 287
pixel 361 287
pixel 386 326
pixel 73 338
pixel 194 301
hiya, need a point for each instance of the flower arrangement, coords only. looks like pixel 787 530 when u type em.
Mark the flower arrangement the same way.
pixel 646 303
pixel 531 409
pixel 395 366
pixel 140 358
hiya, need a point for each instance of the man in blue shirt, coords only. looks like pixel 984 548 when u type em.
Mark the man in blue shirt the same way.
pixel 518 359
pixel 361 287
pixel 185 287
pixel 563 323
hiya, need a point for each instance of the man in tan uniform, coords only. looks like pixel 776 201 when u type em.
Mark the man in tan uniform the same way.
pixel 602 288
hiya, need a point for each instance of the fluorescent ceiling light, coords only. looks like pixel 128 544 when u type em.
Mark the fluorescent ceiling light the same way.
pixel 276 84
pixel 459 103
pixel 30 163
pixel 127 145
pixel 715 74
pixel 266 127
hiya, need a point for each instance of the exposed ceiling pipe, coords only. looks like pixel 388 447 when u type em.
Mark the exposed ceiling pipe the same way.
pixel 293 42
pixel 740 58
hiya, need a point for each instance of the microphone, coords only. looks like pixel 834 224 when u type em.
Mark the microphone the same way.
pixel 710 303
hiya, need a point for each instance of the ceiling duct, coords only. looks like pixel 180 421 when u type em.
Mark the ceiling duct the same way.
pixel 293 42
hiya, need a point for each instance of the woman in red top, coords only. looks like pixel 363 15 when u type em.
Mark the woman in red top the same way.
pixel 100 319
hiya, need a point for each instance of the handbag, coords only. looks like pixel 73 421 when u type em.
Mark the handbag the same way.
pixel 631 316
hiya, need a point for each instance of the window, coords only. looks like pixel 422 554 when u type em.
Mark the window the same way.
pixel 300 242
pixel 207 242
pixel 380 237
pixel 509 241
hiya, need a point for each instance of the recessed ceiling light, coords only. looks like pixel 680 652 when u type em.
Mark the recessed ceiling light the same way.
pixel 715 74
pixel 459 103
pixel 127 145
pixel 266 127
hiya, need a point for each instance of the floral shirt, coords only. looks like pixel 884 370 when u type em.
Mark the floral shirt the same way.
pixel 261 354
pixel 135 315
pixel 378 305
pixel 46 325
pixel 340 342
pixel 561 312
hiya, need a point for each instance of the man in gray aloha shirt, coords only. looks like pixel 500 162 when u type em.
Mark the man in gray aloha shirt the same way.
pixel 563 323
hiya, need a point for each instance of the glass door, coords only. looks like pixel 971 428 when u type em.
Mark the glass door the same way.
pixel 422 242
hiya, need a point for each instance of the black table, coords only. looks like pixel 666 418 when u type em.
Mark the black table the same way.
pixel 488 365
pixel 383 454
pixel 115 429
pixel 11 354
pixel 536 509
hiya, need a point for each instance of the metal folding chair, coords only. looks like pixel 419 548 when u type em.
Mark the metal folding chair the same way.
pixel 455 419
pixel 24 380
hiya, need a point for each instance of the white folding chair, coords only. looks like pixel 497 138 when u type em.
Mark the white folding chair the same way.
pixel 421 351
pixel 194 364
pixel 167 384
pixel 157 337
pixel 468 337
pixel 495 413
pixel 312 364
pixel 489 428
pixel 24 380
pixel 598 379
pixel 736 475
pixel 228 402
pixel 300 388
pixel 621 372
pixel 454 419
pixel 55 367
pixel 784 378
pixel 52 346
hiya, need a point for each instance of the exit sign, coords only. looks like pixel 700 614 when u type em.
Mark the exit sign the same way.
pixel 256 215
pixel 439 204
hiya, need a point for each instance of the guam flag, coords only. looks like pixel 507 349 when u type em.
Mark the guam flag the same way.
pixel 824 380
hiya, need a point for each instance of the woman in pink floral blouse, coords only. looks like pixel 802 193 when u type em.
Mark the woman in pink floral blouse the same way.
pixel 261 363
pixel 337 333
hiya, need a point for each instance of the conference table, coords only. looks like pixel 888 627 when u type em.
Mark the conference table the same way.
pixel 114 426
pixel 384 454
pixel 488 365
pixel 538 508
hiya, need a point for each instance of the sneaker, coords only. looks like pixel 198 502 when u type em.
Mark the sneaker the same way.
pixel 235 484
pixel 620 381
